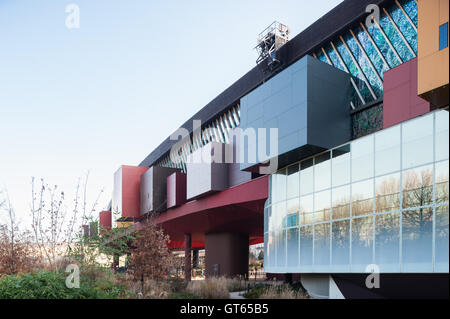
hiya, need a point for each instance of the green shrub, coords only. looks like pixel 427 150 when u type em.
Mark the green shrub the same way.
pixel 52 285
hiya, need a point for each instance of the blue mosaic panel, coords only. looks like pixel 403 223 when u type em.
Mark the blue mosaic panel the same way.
pixel 410 8
pixel 395 38
pixel 365 65
pixel 371 51
pixel 404 25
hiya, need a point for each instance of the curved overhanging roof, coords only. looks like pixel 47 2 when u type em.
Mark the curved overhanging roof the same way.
pixel 328 26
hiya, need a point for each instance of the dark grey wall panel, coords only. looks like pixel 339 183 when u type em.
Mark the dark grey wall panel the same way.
pixel 154 189
pixel 308 103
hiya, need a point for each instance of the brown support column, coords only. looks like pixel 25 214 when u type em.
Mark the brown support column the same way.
pixel 187 257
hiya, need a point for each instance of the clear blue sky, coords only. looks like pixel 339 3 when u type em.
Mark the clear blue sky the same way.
pixel 108 93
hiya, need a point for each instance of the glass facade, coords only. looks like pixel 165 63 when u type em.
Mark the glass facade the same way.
pixel 382 199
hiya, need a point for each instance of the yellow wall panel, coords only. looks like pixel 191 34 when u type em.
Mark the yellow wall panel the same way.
pixel 433 64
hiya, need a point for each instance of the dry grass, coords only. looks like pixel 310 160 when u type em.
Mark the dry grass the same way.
pixel 151 289
pixel 282 292
pixel 213 288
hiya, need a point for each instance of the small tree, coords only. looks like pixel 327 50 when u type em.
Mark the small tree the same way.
pixel 16 250
pixel 151 258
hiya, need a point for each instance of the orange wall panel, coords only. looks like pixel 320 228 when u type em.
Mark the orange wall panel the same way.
pixel 433 64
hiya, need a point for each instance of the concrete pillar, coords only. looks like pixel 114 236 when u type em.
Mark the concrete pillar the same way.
pixel 226 254
pixel 187 257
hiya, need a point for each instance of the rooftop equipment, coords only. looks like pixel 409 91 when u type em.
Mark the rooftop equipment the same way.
pixel 269 42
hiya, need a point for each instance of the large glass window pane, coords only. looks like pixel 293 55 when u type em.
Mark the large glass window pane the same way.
pixel 292 212
pixel 341 202
pixel 281 248
pixel 279 185
pixel 442 134
pixel 417 228
pixel 293 181
pixel 306 177
pixel 362 158
pixel 341 245
pixel 418 142
pixel 441 241
pixel 279 213
pixel 442 182
pixel 322 172
pixel 341 165
pixel 322 202
pixel 387 190
pixel 269 256
pixel 387 242
pixel 387 151
pixel 362 243
pixel 321 246
pixel 362 198
pixel 267 218
pixel 306 248
pixel 306 209
pixel 417 186
pixel 292 247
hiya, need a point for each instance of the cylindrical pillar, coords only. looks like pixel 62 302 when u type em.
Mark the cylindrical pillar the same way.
pixel 187 257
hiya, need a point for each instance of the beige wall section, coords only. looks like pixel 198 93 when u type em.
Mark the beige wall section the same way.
pixel 433 64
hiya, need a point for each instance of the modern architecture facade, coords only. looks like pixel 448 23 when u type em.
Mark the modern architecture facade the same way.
pixel 335 157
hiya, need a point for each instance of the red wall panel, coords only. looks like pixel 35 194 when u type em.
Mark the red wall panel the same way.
pixel 131 194
pixel 105 223
pixel 400 100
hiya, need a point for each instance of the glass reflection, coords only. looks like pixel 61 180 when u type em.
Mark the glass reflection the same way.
pixel 442 239
pixel 292 247
pixel 362 158
pixel 306 177
pixel 281 248
pixel 387 151
pixel 322 172
pixel 418 186
pixel 362 243
pixel 306 246
pixel 341 202
pixel 322 202
pixel 341 165
pixel 387 242
pixel 387 193
pixel 362 198
pixel 341 245
pixel 442 134
pixel 417 228
pixel 293 181
pixel 322 245
pixel 306 209
pixel 442 182
pixel 270 251
pixel 292 213
pixel 417 142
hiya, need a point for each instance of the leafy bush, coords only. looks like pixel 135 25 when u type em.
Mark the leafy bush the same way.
pixel 52 285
